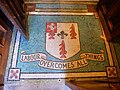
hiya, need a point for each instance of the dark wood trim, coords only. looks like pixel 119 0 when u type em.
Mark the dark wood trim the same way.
pixel 1 79
pixel 91 8
pixel 109 12
pixel 116 32
pixel 114 10
pixel 4 19
pixel 105 27
pixel 4 51
pixel 10 4
pixel 30 7
pixel 13 19
pixel 21 3
pixel 18 8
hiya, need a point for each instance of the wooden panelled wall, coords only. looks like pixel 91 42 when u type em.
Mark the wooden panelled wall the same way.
pixel 14 10
pixel 109 12
pixel 5 38
pixel 11 14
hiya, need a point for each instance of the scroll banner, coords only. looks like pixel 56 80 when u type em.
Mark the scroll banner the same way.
pixel 61 65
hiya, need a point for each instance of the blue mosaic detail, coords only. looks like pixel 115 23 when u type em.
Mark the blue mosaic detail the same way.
pixel 67 6
pixel 90 32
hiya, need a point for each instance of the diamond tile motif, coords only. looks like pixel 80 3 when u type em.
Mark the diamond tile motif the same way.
pixel 111 72
pixel 14 74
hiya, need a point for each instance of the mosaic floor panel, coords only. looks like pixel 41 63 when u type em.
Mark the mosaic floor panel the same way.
pixel 62 47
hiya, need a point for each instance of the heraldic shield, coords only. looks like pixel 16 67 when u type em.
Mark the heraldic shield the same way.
pixel 62 39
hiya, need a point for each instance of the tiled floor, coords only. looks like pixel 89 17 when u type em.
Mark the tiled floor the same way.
pixel 76 54
pixel 59 47
pixel 38 85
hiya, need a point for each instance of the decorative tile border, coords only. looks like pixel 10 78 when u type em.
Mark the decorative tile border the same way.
pixel 111 72
pixel 93 2
pixel 62 75
pixel 16 47
pixel 14 74
pixel 59 13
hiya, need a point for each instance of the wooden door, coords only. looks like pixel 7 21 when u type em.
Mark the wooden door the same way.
pixel 5 39
pixel 109 12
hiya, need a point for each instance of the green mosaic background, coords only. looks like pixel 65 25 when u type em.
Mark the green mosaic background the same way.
pixel 90 32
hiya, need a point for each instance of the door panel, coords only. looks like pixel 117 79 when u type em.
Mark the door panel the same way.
pixel 109 13
pixel 5 39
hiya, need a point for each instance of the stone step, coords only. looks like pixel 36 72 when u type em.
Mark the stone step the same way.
pixel 62 6
pixel 63 1
pixel 43 84
pixel 76 6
